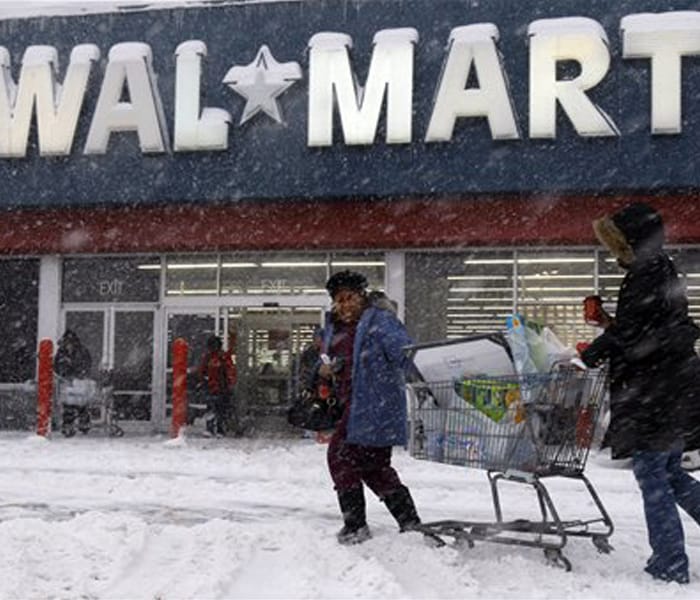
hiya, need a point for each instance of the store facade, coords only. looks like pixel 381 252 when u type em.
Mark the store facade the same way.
pixel 204 169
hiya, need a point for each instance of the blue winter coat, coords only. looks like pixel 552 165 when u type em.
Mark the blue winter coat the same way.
pixel 378 404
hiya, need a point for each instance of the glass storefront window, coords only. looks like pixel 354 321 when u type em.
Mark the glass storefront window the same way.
pixel 272 273
pixel 19 290
pixel 480 293
pixel 133 279
pixel 191 275
pixel 687 262
pixel 610 276
pixel 372 266
pixel 452 295
pixel 551 287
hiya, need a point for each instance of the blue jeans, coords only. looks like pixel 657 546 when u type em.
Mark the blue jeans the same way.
pixel 664 484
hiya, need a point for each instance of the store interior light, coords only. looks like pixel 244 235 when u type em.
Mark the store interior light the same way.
pixel 291 264
pixel 357 263
pixel 488 261
pixel 196 292
pixel 553 288
pixel 191 266
pixel 467 290
pixel 556 260
pixel 551 300
pixel 548 276
pixel 239 265
pixel 478 277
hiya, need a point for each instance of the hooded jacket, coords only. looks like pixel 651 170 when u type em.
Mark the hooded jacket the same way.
pixel 654 370
pixel 378 415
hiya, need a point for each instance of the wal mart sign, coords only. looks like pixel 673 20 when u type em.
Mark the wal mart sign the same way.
pixel 349 99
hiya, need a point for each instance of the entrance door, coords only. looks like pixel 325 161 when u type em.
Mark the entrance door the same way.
pixel 194 327
pixel 265 344
pixel 120 342
pixel 268 344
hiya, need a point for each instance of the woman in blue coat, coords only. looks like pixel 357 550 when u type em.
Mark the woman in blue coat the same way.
pixel 364 343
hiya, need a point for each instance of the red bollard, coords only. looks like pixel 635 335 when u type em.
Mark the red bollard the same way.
pixel 179 387
pixel 44 388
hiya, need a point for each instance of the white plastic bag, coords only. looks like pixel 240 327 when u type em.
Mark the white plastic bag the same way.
pixel 77 392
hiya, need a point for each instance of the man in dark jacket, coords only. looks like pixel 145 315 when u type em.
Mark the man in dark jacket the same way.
pixel 73 361
pixel 654 381
pixel 364 342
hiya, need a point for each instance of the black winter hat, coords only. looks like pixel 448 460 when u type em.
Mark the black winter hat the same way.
pixel 214 343
pixel 641 225
pixel 346 280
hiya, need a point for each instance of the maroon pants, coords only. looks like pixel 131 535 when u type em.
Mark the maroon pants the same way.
pixel 350 465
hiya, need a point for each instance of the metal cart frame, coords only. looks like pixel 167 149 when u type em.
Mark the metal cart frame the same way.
pixel 520 429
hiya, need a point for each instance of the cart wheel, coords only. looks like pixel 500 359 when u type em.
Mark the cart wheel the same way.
pixel 555 558
pixel 602 544
pixel 116 431
pixel 433 540
pixel 462 542
pixel 68 431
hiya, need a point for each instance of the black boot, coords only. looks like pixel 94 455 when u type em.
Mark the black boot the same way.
pixel 352 505
pixel 402 508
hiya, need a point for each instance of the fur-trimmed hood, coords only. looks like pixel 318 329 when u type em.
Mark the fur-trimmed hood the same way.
pixel 381 300
pixel 635 231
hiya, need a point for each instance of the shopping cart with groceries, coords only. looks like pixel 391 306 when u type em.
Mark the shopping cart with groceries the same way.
pixel 520 428
pixel 85 404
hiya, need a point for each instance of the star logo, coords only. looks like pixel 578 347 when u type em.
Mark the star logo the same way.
pixel 261 83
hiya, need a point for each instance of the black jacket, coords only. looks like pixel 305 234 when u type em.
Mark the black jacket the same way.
pixel 72 359
pixel 654 370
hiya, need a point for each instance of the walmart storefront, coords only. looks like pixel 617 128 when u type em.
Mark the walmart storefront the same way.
pixel 176 172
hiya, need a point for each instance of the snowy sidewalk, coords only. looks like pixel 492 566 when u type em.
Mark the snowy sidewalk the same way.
pixel 94 517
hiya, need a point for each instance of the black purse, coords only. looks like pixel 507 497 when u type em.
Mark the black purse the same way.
pixel 309 411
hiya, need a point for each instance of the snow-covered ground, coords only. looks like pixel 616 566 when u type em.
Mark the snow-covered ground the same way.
pixel 94 517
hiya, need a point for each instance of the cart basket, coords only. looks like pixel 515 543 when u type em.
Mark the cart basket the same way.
pixel 541 424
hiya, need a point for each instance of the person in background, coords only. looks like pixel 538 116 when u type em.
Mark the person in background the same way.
pixel 217 374
pixel 654 381
pixel 309 358
pixel 72 361
pixel 365 341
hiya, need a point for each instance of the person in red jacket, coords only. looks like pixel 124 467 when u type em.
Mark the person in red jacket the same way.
pixel 217 374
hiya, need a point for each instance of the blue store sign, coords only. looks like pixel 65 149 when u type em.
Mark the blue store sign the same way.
pixel 349 99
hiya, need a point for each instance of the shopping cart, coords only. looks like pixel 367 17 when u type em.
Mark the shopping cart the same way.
pixel 91 403
pixel 520 429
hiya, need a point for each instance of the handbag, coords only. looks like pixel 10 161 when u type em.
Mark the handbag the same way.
pixel 309 411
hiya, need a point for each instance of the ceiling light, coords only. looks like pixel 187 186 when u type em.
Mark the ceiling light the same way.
pixel 238 265
pixel 357 263
pixel 480 289
pixel 554 260
pixel 478 277
pixel 489 261
pixel 292 265
pixel 183 266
